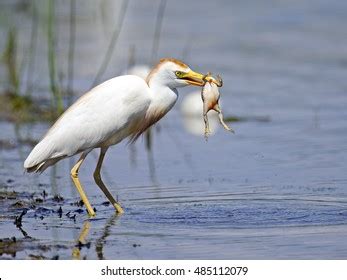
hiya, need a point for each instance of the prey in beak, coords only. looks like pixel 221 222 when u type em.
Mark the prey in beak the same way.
pixel 210 79
pixel 210 97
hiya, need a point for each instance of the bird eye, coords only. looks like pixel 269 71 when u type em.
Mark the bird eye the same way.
pixel 179 74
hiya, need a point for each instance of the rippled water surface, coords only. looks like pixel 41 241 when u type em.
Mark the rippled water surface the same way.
pixel 276 188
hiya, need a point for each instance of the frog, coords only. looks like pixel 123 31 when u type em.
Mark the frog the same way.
pixel 210 97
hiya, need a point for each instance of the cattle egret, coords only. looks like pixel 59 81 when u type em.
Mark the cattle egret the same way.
pixel 122 107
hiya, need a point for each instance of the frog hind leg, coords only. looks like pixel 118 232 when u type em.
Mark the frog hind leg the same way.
pixel 207 126
pixel 220 116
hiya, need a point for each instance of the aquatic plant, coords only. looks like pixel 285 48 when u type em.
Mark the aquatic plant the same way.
pixel 57 101
pixel 72 41
pixel 157 30
pixel 9 58
pixel 112 44
pixel 32 49
pixel 12 94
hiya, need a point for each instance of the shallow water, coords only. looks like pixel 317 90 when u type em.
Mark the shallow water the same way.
pixel 275 189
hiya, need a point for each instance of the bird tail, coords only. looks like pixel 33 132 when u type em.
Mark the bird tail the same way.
pixel 41 157
pixel 39 168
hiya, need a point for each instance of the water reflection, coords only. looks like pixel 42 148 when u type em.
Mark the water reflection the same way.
pixel 81 241
pixel 100 242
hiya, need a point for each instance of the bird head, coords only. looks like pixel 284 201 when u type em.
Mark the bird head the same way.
pixel 174 73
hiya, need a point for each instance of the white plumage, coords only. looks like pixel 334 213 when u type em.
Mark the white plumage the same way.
pixel 122 107
pixel 103 116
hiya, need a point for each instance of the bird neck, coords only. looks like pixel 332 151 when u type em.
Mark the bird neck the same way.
pixel 163 97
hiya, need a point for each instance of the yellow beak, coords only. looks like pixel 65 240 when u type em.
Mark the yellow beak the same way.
pixel 194 78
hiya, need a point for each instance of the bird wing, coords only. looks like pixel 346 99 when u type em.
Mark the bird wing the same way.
pixel 106 114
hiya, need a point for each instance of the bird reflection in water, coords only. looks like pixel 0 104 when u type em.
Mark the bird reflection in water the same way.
pixel 100 242
pixel 82 242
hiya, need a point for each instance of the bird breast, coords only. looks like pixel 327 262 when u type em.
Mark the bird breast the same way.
pixel 152 116
pixel 162 100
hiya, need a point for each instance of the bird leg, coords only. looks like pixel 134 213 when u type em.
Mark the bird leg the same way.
pixel 100 183
pixel 75 179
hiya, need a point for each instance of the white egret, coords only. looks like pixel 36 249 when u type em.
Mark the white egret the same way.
pixel 122 107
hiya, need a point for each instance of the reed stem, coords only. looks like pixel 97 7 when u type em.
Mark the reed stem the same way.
pixel 72 41
pixel 57 102
pixel 110 49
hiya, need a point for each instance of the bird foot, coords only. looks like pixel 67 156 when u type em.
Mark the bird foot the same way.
pixel 118 208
